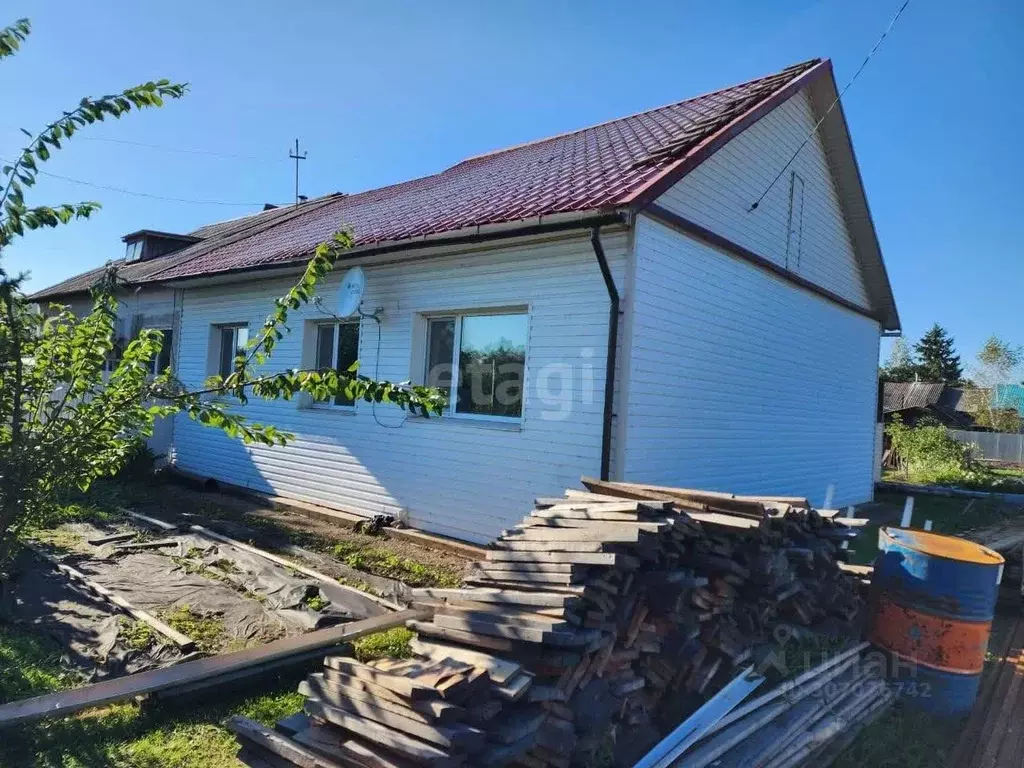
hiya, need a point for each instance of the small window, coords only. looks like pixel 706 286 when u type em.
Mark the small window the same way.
pixel 233 342
pixel 163 360
pixel 133 251
pixel 337 348
pixel 481 360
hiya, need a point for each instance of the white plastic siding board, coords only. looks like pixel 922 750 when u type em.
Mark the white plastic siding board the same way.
pixel 742 382
pixel 718 195
pixel 467 479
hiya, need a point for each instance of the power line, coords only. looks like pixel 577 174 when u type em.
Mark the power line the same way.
pixel 185 150
pixel 136 193
pixel 828 111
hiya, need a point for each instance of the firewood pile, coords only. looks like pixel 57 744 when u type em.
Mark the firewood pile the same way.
pixel 592 628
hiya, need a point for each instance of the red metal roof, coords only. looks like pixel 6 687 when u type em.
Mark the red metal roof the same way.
pixel 604 167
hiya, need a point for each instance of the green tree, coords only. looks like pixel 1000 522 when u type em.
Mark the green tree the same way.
pixel 63 423
pixel 997 367
pixel 900 365
pixel 937 357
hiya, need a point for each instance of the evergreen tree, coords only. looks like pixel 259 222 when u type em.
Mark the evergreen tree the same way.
pixel 937 357
pixel 900 366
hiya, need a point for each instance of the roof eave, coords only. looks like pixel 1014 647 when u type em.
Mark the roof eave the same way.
pixel 467 236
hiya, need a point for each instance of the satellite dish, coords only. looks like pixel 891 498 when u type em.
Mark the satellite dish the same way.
pixel 351 294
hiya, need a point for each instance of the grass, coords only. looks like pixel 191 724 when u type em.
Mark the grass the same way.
pixel 136 635
pixel 380 562
pixel 393 643
pixel 948 515
pixel 316 602
pixel 207 631
pixel 901 738
pixel 184 734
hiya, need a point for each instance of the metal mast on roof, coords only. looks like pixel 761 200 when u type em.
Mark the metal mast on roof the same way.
pixel 296 157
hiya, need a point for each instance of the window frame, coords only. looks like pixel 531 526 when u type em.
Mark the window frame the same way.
pixel 330 403
pixel 220 328
pixel 155 368
pixel 457 316
pixel 133 251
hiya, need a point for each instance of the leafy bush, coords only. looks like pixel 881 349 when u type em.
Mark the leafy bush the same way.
pixel 928 454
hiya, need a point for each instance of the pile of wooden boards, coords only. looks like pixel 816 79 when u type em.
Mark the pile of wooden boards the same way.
pixel 621 609
pixel 806 721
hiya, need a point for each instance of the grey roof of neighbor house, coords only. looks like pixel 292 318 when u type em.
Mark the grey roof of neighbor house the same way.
pixel 904 395
pixel 618 165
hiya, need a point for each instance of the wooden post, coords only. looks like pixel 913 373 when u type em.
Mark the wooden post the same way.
pixel 908 512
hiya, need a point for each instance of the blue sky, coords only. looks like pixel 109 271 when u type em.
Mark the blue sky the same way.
pixel 402 89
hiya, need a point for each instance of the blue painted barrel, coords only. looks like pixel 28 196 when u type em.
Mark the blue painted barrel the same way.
pixel 933 599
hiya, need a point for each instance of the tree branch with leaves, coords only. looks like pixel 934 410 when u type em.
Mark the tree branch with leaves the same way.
pixel 65 421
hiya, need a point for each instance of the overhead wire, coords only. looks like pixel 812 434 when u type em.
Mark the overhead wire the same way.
pixel 832 106
pixel 136 193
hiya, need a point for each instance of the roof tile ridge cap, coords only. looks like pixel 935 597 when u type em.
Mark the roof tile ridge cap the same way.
pixel 248 232
pixel 630 196
pixel 493 153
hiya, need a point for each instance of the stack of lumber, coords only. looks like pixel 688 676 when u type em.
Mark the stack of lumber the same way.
pixel 806 721
pixel 610 615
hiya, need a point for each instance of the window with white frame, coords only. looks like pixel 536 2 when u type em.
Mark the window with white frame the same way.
pixel 481 359
pixel 233 342
pixel 337 347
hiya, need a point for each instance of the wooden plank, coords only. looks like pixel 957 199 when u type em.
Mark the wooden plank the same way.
pixel 155 544
pixel 397 683
pixel 500 670
pixel 207 533
pixel 456 737
pixel 342 746
pixel 163 525
pixel 473 612
pixel 108 691
pixel 523 545
pixel 488 575
pixel 498 596
pixel 607 533
pixel 112 538
pixel 517 724
pixel 381 734
pixel 436 709
pixel 516 688
pixel 277 744
pixel 331 690
pixel 529 634
pixel 569 558
pixel 527 567
pixel 185 643
pixel 586 524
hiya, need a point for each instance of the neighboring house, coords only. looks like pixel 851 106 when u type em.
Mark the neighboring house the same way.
pixel 665 330
pixel 915 400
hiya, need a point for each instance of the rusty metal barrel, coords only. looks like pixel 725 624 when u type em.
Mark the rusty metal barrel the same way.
pixel 933 600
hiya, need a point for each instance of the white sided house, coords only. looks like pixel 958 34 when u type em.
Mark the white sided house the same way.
pixel 605 302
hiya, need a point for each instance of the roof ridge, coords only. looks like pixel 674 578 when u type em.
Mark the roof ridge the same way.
pixel 242 234
pixel 564 134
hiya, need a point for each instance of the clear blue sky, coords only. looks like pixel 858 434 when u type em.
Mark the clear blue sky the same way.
pixel 402 89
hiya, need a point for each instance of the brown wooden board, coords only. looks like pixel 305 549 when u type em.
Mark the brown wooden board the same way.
pixel 277 744
pixel 347 749
pixel 570 558
pixel 108 691
pixel 457 737
pixel 529 634
pixel 498 596
pixel 435 709
pixel 380 734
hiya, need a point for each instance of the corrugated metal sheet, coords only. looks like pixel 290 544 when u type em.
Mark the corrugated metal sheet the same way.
pixel 904 395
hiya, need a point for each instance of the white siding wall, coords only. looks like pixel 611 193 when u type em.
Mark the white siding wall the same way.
pixel 740 381
pixel 719 193
pixel 464 479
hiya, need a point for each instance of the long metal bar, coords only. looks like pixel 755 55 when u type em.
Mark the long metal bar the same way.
pixel 613 345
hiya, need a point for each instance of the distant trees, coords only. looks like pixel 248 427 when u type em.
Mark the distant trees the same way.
pixel 934 359
pixel 994 393
pixel 937 357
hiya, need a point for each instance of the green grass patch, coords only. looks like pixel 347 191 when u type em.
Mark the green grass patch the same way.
pixel 901 738
pixel 316 602
pixel 206 630
pixel 136 635
pixel 380 562
pixel 394 643
pixel 30 665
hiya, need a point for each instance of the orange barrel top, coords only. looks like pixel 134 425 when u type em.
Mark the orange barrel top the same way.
pixel 933 601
